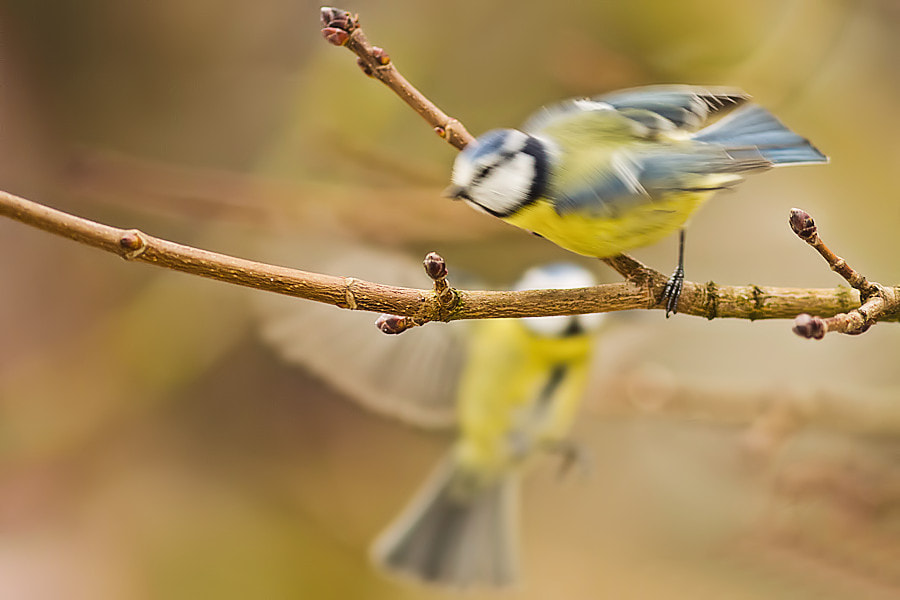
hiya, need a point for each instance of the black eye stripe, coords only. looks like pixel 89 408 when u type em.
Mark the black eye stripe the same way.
pixel 484 171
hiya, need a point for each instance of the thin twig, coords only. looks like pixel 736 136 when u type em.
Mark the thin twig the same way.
pixel 706 300
pixel 877 301
pixel 341 28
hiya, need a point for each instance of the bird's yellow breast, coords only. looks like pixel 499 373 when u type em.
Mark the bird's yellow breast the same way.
pixel 506 371
pixel 601 236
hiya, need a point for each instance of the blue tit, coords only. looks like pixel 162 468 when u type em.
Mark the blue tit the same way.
pixel 509 388
pixel 520 386
pixel 604 175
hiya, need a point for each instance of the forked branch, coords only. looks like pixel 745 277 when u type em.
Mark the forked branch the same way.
pixel 839 309
pixel 878 302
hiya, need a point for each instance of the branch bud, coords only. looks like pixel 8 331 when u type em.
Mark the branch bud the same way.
pixel 335 36
pixel 133 243
pixel 392 324
pixel 380 55
pixel 337 25
pixel 338 18
pixel 809 327
pixel 803 225
pixel 130 240
pixel 435 266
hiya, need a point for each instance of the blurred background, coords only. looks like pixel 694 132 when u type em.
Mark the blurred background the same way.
pixel 153 446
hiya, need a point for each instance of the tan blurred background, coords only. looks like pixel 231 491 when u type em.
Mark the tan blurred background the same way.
pixel 151 446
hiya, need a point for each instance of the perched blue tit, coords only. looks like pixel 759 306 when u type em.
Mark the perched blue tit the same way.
pixel 604 175
pixel 521 383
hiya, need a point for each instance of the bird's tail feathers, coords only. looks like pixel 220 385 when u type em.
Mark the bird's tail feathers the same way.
pixel 753 126
pixel 458 540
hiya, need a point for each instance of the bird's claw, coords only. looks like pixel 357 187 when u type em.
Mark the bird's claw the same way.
pixel 673 291
pixel 571 456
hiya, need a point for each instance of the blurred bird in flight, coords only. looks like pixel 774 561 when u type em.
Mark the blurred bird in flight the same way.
pixel 511 387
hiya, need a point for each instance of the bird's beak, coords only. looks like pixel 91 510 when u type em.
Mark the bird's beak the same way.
pixel 455 192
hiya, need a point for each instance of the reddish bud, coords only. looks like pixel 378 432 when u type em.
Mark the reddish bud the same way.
pixel 435 266
pixel 335 36
pixel 440 131
pixel 131 241
pixel 803 224
pixel 327 14
pixel 380 55
pixel 810 327
pixel 134 244
pixel 338 18
pixel 392 324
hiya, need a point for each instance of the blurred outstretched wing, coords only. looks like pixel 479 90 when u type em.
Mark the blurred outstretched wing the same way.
pixel 658 107
pixel 685 106
pixel 606 180
pixel 631 179
pixel 411 377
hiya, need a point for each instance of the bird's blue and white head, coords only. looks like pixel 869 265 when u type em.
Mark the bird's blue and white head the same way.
pixel 501 171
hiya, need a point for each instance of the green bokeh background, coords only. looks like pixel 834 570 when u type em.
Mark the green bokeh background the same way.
pixel 151 446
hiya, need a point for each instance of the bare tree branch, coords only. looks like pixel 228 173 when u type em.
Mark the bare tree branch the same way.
pixel 707 300
pixel 878 302
pixel 642 289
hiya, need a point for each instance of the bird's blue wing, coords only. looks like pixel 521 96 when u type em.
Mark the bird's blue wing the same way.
pixel 630 179
pixel 603 191
pixel 656 108
pixel 685 106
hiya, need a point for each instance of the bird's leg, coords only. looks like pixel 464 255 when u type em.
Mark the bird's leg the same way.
pixel 676 281
pixel 571 455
